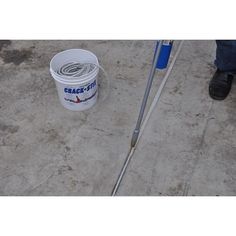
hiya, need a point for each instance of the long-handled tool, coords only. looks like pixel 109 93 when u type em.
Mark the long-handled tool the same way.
pixel 146 94
pixel 162 58
pixel 155 64
pixel 161 64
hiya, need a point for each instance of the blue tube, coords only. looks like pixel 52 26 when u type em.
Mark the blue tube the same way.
pixel 164 55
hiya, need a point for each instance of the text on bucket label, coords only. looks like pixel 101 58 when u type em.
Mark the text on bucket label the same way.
pixel 80 89
pixel 86 93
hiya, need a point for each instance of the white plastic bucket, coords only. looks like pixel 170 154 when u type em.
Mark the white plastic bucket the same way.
pixel 76 93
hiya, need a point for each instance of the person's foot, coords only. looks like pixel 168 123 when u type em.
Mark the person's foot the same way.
pixel 220 85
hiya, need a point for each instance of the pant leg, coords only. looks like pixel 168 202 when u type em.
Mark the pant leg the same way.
pixel 226 55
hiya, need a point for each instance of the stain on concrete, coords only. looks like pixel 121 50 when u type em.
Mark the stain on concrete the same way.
pixel 84 183
pixel 176 190
pixel 9 128
pixel 38 86
pixel 138 44
pixel 16 56
pixel 51 135
pixel 67 153
pixel 4 43
pixel 144 65
pixel 120 77
pixel 84 45
pixel 64 168
pixel 73 184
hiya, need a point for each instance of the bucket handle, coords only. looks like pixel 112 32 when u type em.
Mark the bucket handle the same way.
pixel 107 79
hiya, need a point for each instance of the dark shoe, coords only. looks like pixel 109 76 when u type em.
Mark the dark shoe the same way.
pixel 220 85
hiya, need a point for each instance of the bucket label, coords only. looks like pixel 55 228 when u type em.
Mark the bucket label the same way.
pixel 80 94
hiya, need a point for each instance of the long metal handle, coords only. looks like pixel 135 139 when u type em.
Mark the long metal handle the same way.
pixel 140 118
pixel 146 94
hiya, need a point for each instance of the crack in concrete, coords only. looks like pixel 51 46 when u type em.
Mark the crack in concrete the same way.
pixel 200 150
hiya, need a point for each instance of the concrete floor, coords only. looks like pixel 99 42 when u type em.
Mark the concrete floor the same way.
pixel 188 147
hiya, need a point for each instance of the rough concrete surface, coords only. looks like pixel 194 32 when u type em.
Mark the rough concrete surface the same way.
pixel 187 148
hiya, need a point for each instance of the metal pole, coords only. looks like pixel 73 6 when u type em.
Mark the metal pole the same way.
pixel 122 172
pixel 139 121
pixel 146 94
